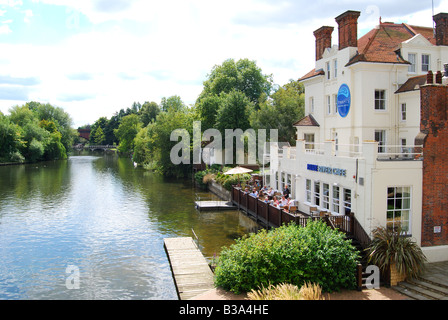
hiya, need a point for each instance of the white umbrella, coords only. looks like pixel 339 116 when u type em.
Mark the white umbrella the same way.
pixel 238 170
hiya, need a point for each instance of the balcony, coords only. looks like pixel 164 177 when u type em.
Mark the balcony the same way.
pixel 368 149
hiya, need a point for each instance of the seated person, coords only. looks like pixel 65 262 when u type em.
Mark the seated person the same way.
pixel 284 202
pixel 254 193
pixel 266 199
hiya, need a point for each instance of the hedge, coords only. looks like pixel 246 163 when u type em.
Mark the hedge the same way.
pixel 289 254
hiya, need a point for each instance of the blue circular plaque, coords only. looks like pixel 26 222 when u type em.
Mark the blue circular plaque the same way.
pixel 344 100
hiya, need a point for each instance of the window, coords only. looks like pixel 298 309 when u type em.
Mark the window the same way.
pixel 312 105
pixel 399 208
pixel 328 71
pixel 403 112
pixel 309 141
pixel 412 59
pixel 404 149
pixel 380 99
pixel 317 193
pixel 335 199
pixel 380 136
pixel 336 141
pixel 347 201
pixel 335 101
pixel 326 196
pixel 308 190
pixel 328 105
pixel 425 62
pixel 335 68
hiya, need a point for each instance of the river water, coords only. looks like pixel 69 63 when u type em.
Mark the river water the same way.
pixel 92 227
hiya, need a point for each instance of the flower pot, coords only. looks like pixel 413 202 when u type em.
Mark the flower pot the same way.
pixel 394 276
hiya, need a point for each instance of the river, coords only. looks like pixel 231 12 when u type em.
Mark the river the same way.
pixel 92 227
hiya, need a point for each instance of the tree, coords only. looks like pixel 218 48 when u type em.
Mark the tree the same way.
pixel 233 112
pixel 173 103
pixel 127 130
pixel 243 75
pixel 10 139
pixel 281 111
pixel 148 112
pixel 99 136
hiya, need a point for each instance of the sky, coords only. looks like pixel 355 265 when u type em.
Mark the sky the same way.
pixel 95 57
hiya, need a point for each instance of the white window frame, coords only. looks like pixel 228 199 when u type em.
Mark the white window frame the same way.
pixel 328 100
pixel 335 104
pixel 326 196
pixel 426 65
pixel 403 112
pixel 381 139
pixel 328 66
pixel 401 214
pixel 413 67
pixel 316 193
pixel 347 203
pixel 308 191
pixel 335 64
pixel 381 101
pixel 336 194
pixel 309 141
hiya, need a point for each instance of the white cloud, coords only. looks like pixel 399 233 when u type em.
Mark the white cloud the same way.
pixel 4 29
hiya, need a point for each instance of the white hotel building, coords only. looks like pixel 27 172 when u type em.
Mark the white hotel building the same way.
pixel 360 147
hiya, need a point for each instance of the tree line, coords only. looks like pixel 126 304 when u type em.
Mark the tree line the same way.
pixel 235 95
pixel 34 132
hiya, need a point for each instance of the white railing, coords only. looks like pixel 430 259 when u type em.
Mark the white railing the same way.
pixel 390 152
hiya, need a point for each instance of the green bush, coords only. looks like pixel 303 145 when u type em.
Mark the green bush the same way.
pixel 289 254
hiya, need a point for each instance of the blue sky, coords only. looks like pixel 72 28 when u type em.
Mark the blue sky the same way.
pixel 95 57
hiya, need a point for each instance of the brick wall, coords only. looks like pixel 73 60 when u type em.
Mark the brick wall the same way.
pixel 348 29
pixel 434 127
pixel 323 40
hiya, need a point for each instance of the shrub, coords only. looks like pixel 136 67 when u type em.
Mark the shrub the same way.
pixel 286 291
pixel 390 247
pixel 289 254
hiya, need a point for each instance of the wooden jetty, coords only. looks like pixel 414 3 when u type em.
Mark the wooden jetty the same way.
pixel 191 272
pixel 214 205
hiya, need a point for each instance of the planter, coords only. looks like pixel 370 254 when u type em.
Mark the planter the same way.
pixel 394 276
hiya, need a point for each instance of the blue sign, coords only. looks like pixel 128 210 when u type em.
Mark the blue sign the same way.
pixel 344 100
pixel 329 170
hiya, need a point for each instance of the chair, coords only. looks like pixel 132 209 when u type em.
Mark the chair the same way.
pixel 313 211
pixel 293 209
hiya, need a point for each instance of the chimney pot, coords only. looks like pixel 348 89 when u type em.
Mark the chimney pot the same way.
pixel 439 77
pixel 348 29
pixel 441 31
pixel 430 77
pixel 323 40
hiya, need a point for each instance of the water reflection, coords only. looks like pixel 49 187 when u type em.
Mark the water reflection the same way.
pixel 106 217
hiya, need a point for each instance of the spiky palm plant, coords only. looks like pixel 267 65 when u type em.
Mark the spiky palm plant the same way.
pixel 390 247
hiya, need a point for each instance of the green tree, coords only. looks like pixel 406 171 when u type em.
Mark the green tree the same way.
pixel 233 112
pixel 173 103
pixel 127 130
pixel 243 75
pixel 148 112
pixel 99 136
pixel 285 107
pixel 10 140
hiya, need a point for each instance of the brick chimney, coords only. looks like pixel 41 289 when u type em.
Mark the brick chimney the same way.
pixel 348 29
pixel 441 21
pixel 434 136
pixel 323 40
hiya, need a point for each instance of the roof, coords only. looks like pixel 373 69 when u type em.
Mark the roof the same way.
pixel 308 121
pixel 382 44
pixel 412 84
pixel 313 73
